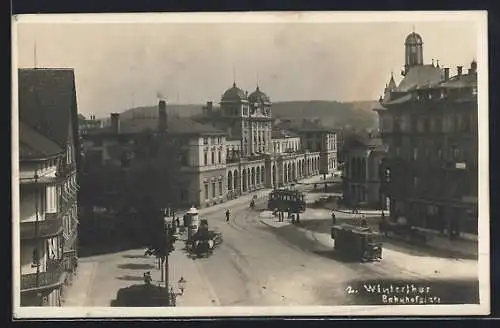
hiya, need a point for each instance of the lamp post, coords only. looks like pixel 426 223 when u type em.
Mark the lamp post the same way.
pixel 37 242
pixel 167 246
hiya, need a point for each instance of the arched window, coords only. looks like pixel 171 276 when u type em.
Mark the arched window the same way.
pixel 440 153
pixel 415 153
pixel 455 152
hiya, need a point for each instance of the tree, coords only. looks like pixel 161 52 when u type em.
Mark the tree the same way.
pixel 153 179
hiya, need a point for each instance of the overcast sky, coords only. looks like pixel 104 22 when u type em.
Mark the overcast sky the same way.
pixel 122 65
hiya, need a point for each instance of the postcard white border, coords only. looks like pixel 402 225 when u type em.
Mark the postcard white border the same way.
pixel 479 18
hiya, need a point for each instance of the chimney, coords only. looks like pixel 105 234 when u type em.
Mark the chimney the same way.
pixel 446 73
pixel 162 114
pixel 459 70
pixel 115 122
pixel 473 67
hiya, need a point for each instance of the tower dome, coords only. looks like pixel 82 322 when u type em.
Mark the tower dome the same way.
pixel 234 94
pixel 413 38
pixel 414 53
pixel 258 97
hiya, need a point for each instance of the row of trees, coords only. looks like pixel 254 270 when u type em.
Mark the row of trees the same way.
pixel 138 193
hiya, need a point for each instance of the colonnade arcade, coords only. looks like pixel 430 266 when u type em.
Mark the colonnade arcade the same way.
pixel 254 177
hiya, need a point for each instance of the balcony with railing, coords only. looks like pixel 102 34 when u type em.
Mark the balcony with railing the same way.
pixel 67 203
pixel 50 227
pixel 65 170
pixel 43 280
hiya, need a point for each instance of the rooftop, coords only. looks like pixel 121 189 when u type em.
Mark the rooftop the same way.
pixel 175 125
pixel 47 107
pixel 33 145
pixel 282 134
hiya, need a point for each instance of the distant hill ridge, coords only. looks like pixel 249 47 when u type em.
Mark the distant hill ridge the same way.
pixel 357 114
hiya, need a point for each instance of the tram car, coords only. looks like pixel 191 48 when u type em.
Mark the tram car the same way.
pixel 357 243
pixel 286 199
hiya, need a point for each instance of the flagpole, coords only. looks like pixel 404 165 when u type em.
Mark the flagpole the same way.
pixel 34 54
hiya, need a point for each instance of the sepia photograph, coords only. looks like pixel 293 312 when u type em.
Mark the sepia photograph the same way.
pixel 250 164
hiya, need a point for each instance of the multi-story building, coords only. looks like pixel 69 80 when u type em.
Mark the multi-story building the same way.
pixel 48 184
pixel 362 171
pixel 316 138
pixel 429 122
pixel 226 152
pixel 85 125
pixel 247 119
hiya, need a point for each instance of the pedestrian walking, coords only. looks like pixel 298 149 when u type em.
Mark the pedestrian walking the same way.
pixel 227 215
pixel 334 219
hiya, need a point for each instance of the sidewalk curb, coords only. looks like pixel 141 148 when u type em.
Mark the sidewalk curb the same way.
pixel 313 235
pixel 361 212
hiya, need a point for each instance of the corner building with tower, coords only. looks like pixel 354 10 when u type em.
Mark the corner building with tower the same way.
pixel 429 123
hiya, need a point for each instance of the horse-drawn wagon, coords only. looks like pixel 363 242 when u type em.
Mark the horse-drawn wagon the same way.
pixel 204 241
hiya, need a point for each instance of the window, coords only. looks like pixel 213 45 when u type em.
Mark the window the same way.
pixel 220 188
pixel 183 195
pixel 184 158
pixel 455 152
pixel 220 157
pixel 213 157
pixel 205 158
pixel 426 152
pixel 213 189
pixel 34 258
pixel 205 141
pixel 206 190
pixel 415 182
pixel 415 153
pixel 466 124
pixel 440 153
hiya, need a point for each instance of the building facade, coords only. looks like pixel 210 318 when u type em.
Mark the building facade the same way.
pixel 315 138
pixel 429 122
pixel 48 184
pixel 362 172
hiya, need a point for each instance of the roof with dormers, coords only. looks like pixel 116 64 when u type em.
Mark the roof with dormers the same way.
pixel 234 94
pixel 427 77
pixel 420 76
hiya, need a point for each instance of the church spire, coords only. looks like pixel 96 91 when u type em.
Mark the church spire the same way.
pixel 392 84
pixel 234 76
